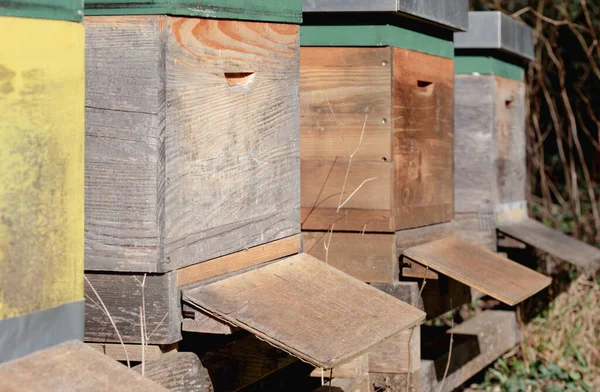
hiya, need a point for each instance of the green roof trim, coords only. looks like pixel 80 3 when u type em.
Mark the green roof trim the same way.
pixel 286 11
pixel 70 10
pixel 375 35
pixel 488 65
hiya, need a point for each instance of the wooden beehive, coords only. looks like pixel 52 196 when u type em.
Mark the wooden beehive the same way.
pixel 192 148
pixel 490 142
pixel 41 171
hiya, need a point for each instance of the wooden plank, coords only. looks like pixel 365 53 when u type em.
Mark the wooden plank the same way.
pixel 201 322
pixel 348 219
pixel 232 137
pixel 124 100
pixel 423 109
pixel 323 181
pixel 444 294
pixel 553 241
pixel 41 164
pixel 352 83
pixel 353 369
pixel 397 355
pixel 360 384
pixel 178 372
pixel 307 308
pixel 510 128
pixel 367 257
pixel 123 296
pixel 135 353
pixel 234 262
pixel 480 268
pixel 475 144
pixel 496 332
pixel 71 366
pixel 420 235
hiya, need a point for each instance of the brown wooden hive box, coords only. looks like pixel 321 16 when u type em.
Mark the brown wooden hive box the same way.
pixel 401 163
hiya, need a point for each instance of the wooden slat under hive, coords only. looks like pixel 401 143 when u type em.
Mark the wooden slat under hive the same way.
pixel 307 308
pixel 480 268
pixel 552 241
pixel 71 366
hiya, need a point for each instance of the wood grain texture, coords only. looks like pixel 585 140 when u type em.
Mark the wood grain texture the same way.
pixel 367 257
pixel 234 262
pixel 496 333
pixel 285 303
pixel 475 144
pixel 510 127
pixel 71 366
pixel 232 146
pixel 200 322
pixel 125 98
pixel 420 235
pixel 353 83
pixel 553 241
pixel 122 295
pixel 405 291
pixel 477 228
pixel 396 382
pixel 184 163
pixel 353 369
pixel 323 181
pixel 133 352
pixel 178 372
pixel 348 219
pixel 495 275
pixel 399 354
pixel 423 109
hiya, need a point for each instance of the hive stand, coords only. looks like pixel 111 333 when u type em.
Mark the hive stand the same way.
pixel 41 172
pixel 377 123
pixel 490 143
pixel 193 190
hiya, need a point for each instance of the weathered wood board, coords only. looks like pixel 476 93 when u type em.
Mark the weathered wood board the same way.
pixel 399 354
pixel 420 235
pixel 236 261
pixel 123 297
pixel 480 268
pixel 192 139
pixel 71 366
pixel 510 128
pixel 496 332
pixel 368 257
pixel 307 308
pixel 423 113
pixel 553 241
pixel 178 372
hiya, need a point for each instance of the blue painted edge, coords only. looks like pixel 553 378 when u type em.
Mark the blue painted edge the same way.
pixel 23 335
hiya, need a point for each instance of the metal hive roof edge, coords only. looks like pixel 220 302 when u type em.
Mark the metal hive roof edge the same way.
pixel 493 30
pixel 452 14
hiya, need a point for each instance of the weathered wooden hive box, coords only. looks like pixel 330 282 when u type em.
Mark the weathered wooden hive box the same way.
pixel 193 186
pixel 42 174
pixel 376 96
pixel 490 140
pixel 192 144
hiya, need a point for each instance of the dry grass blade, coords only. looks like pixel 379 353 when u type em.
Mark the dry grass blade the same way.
pixel 107 313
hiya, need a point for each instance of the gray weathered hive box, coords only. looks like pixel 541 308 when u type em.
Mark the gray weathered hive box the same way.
pixel 490 141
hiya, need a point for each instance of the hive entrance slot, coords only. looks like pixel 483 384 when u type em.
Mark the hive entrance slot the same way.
pixel 235 79
pixel 425 86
